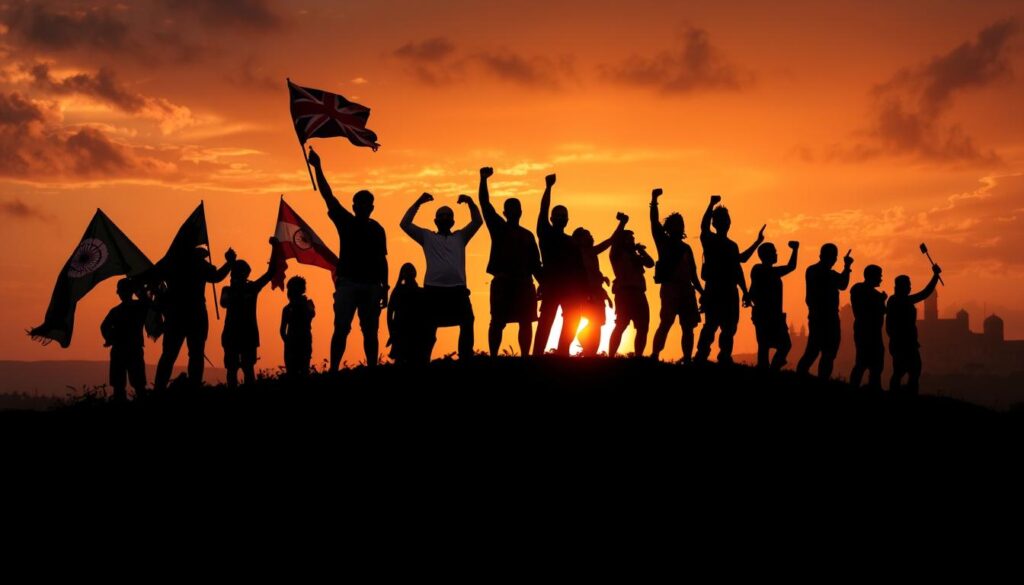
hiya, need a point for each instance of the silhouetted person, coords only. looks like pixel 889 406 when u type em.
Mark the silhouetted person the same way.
pixel 901 325
pixel 766 298
pixel 444 286
pixel 722 273
pixel 564 277
pixel 594 297
pixel 629 259
pixel 514 262
pixel 297 329
pixel 408 327
pixel 186 272
pixel 676 272
pixel 362 276
pixel 122 333
pixel 823 286
pixel 241 335
pixel 868 317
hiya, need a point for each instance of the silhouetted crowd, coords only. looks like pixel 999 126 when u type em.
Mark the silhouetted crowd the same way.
pixel 558 271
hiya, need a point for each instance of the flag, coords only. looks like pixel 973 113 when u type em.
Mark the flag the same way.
pixel 103 252
pixel 321 114
pixel 191 234
pixel 297 240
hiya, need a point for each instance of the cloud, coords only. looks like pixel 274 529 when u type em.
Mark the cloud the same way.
pixel 538 72
pixel 256 15
pixel 42 26
pixel 910 108
pixel 695 65
pixel 428 51
pixel 103 86
pixel 18 209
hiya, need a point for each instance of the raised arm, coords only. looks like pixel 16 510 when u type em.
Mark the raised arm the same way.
pixel 657 230
pixel 930 288
pixel 475 221
pixel 844 277
pixel 746 254
pixel 490 214
pixel 791 265
pixel 623 220
pixel 333 205
pixel 264 280
pixel 222 272
pixel 415 232
pixel 543 219
pixel 705 221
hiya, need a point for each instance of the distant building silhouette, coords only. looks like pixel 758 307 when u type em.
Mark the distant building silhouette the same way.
pixel 950 346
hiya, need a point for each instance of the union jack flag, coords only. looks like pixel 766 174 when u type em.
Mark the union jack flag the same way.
pixel 321 114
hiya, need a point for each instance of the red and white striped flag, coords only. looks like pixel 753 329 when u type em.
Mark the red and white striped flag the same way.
pixel 297 240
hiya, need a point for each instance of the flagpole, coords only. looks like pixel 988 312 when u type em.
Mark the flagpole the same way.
pixel 216 305
pixel 302 147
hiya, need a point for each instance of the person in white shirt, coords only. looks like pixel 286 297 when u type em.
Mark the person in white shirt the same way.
pixel 445 295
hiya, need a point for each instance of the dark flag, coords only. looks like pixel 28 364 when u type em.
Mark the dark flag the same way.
pixel 297 240
pixel 191 234
pixel 103 252
pixel 321 114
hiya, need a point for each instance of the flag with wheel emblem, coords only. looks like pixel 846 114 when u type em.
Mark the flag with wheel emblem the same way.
pixel 104 251
pixel 322 114
pixel 297 240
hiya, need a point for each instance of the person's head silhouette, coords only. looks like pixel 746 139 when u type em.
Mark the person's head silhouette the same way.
pixel 873 275
pixel 902 285
pixel 513 210
pixel 559 217
pixel 362 204
pixel 125 289
pixel 720 220
pixel 675 227
pixel 767 253
pixel 828 255
pixel 407 274
pixel 444 219
pixel 582 237
pixel 240 271
pixel 296 287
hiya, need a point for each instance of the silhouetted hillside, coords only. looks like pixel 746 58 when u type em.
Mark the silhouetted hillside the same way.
pixel 620 403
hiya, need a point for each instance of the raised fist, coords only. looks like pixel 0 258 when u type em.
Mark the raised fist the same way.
pixel 622 217
pixel 848 260
pixel 760 234
pixel 314 158
pixel 464 199
pixel 794 244
pixel 716 199
pixel 550 180
pixel 425 198
pixel 936 269
pixel 486 172
pixel 656 193
pixel 273 240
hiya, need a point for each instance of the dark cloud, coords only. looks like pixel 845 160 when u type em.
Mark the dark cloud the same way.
pixel 43 26
pixel 103 86
pixel 18 209
pixel 428 51
pixel 244 14
pixel 538 72
pixel 911 106
pixel 34 146
pixel 695 65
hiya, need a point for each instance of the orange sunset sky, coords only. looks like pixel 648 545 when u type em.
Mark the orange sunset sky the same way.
pixel 875 125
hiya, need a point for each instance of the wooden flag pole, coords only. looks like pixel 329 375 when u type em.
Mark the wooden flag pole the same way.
pixel 302 147
pixel 209 248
